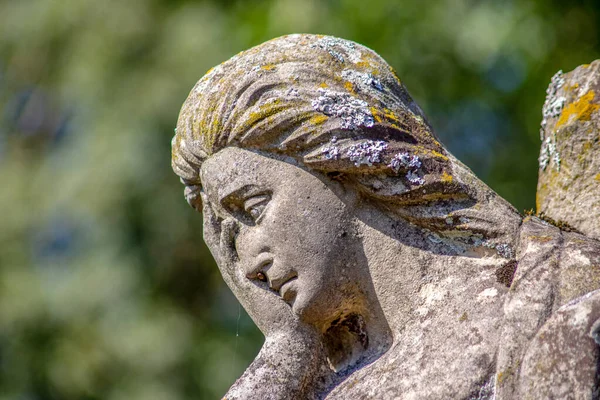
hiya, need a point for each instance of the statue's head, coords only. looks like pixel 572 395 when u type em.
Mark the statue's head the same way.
pixel 315 123
pixel 332 105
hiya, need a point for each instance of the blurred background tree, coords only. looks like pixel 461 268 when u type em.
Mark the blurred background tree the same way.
pixel 106 288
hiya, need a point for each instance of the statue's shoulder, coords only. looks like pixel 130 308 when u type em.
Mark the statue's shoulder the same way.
pixel 551 315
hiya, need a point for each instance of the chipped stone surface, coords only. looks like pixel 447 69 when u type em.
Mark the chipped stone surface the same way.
pixel 376 264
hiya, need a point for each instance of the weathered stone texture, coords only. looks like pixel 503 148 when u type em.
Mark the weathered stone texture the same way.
pixel 376 264
pixel 544 350
pixel 569 176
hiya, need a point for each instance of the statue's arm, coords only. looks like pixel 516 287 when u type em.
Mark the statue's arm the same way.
pixel 563 358
pixel 286 368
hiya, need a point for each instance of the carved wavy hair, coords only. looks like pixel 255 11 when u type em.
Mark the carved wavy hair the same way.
pixel 333 105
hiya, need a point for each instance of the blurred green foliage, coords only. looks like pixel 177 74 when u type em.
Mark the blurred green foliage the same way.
pixel 106 289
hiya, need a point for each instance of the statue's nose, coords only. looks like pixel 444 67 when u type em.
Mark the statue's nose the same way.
pixel 258 270
pixel 278 278
pixel 264 270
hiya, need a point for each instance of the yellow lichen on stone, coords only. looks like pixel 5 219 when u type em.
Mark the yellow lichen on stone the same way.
pixel 264 112
pixel 502 376
pixel 207 127
pixel 597 178
pixel 376 114
pixel 538 198
pixel 390 115
pixel 268 67
pixel 363 64
pixel 393 71
pixel 318 119
pixel 572 87
pixel 582 109
pixel 323 85
pixel 446 177
pixel 436 154
pixel 541 238
pixel 349 87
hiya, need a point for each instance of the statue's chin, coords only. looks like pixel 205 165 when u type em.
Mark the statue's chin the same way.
pixel 318 310
pixel 305 306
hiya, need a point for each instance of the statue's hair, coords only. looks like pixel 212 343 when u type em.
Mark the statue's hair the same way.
pixel 333 105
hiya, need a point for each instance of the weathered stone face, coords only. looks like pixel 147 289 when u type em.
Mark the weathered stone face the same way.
pixel 375 263
pixel 294 237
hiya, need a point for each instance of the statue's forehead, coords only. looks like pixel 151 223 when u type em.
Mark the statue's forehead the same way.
pixel 232 168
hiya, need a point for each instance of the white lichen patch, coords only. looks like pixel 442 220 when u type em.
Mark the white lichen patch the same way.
pixel 422 311
pixel 549 153
pixel 579 259
pixel 290 41
pixel 432 293
pixel 553 105
pixel 414 178
pixel 362 80
pixel 552 108
pixel 203 84
pixel 352 111
pixel 412 163
pixel 487 294
pixel 368 152
pixel 333 45
pixel 581 316
pixel 457 241
pixel 406 161
pixel 291 93
pixel 331 152
pixel 503 249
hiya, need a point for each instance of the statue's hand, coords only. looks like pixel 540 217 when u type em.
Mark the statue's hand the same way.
pixel 294 347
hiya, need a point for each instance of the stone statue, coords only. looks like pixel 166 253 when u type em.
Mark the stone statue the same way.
pixel 376 264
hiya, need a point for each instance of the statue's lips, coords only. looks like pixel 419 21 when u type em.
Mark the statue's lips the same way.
pixel 288 290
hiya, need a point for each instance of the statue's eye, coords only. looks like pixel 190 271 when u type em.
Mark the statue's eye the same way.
pixel 255 206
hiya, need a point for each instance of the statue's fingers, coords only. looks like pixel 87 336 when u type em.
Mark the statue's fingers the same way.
pixel 211 227
pixel 227 250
